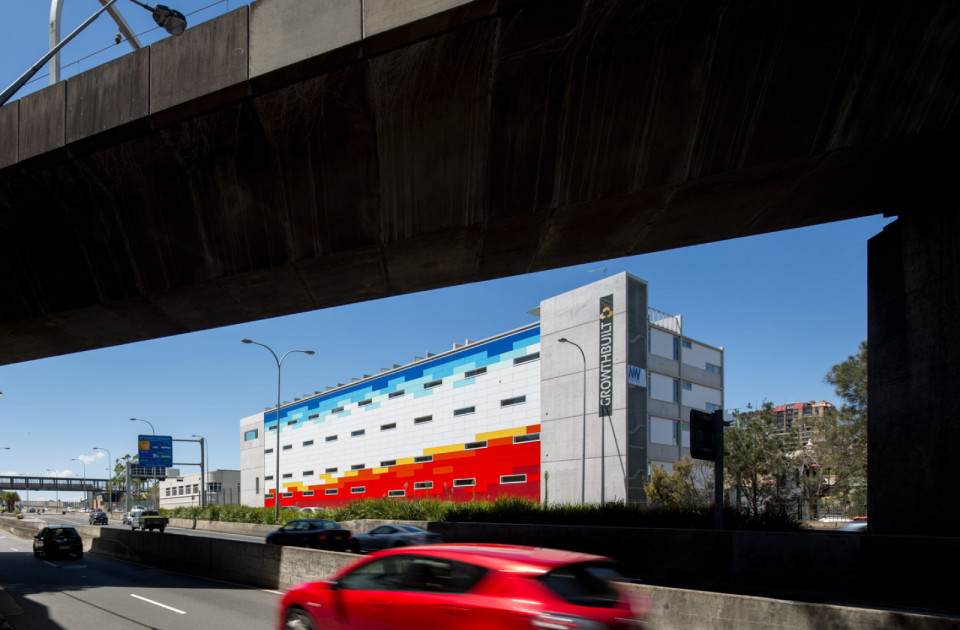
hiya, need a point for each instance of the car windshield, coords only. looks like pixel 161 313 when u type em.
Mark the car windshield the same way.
pixel 411 529
pixel 63 532
pixel 583 584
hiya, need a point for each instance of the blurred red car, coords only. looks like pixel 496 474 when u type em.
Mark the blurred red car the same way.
pixel 466 587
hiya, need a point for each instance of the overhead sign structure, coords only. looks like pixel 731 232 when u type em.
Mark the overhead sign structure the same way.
pixel 155 451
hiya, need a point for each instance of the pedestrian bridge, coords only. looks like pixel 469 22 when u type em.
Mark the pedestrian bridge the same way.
pixel 59 484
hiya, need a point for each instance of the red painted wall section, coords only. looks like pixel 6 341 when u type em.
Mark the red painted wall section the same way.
pixel 491 472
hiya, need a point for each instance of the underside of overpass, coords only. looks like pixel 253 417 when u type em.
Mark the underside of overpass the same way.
pixel 381 149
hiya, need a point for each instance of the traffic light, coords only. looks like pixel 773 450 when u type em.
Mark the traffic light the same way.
pixel 702 432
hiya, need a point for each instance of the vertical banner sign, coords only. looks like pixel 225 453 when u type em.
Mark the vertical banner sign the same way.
pixel 606 356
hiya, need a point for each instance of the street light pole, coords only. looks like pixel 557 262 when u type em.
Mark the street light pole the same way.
pixel 203 474
pixel 276 479
pixel 84 479
pixel 172 21
pixel 56 10
pixel 56 487
pixel 583 442
pixel 156 482
pixel 109 475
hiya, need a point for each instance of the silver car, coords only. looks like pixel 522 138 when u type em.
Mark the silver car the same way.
pixel 387 536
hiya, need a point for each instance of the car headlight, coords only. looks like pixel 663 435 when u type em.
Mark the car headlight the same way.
pixel 552 621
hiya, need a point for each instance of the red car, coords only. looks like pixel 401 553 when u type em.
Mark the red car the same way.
pixel 466 587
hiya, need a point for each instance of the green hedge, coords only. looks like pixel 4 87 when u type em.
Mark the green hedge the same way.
pixel 503 510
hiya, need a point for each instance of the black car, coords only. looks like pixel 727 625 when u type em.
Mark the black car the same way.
pixel 98 517
pixel 314 534
pixel 57 540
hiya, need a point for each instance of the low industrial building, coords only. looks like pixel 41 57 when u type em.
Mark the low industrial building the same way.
pixel 222 488
pixel 578 406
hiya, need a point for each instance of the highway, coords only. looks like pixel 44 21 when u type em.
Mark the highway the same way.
pixel 97 593
pixel 79 518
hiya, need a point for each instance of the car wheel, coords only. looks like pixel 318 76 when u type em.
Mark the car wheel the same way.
pixel 79 555
pixel 354 548
pixel 36 553
pixel 161 530
pixel 298 619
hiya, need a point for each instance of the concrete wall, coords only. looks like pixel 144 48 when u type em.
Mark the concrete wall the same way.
pixel 821 559
pixel 913 371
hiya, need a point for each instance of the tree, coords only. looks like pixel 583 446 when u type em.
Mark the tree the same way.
pixel 690 483
pixel 10 500
pixel 841 444
pixel 758 462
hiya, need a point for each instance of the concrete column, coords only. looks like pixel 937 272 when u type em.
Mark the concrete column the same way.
pixel 914 375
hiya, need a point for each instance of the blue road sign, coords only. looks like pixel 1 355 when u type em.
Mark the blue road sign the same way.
pixel 155 451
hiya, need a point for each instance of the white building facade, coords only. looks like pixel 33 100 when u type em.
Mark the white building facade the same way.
pixel 505 416
pixel 223 488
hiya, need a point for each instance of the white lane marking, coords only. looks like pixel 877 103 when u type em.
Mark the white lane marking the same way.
pixel 265 590
pixel 50 563
pixel 150 601
pixel 14 549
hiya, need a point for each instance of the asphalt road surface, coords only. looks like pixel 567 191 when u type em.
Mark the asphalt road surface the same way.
pixel 99 593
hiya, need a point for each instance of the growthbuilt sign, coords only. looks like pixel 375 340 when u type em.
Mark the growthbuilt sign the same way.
pixel 155 451
pixel 606 356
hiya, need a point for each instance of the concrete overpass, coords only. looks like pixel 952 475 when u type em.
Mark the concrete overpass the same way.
pixel 294 155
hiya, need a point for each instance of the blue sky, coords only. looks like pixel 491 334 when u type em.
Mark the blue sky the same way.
pixel 785 306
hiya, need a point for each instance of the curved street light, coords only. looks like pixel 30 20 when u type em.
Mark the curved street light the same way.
pixel 171 20
pixel 156 482
pixel 583 442
pixel 276 479
pixel 109 474
pixel 77 459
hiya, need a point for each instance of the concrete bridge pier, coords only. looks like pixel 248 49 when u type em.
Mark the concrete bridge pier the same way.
pixel 914 374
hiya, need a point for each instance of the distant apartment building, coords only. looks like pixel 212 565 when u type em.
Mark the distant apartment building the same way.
pixel 505 416
pixel 800 416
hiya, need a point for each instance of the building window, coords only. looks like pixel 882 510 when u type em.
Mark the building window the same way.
pixel 330 438
pixel 358 490
pixel 676 390
pixel 290 422
pixel 516 400
pixel 423 459
pixel 268 495
pixel 513 478
pixel 476 372
pixel 396 394
pixel 286 495
pixel 423 485
pixel 387 427
pixel 365 402
pixel 256 487
pixel 533 356
pixel 472 446
pixel 287 475
pixel 308 473
pixel 287 447
pixel 168 492
pixel 308 493
pixel 357 433
pixel 336 410
pixel 397 493
pixel 308 443
pixel 662 431
pixel 358 467
pixel 330 471
pixel 686 344
pixel 529 437
pixel 252 434
pixel 676 348
pixel 464 411
pixel 432 384
pixel 268 478
pixel 712 407
pixel 268 451
pixel 685 434
pixel 462 483
pixel 330 491
pixel 713 368
pixel 272 427
pixel 688 386
pixel 313 416
pixel 387 463
pixel 196 488
pixel 423 419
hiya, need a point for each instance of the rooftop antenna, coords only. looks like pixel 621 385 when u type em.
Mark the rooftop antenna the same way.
pixel 603 269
